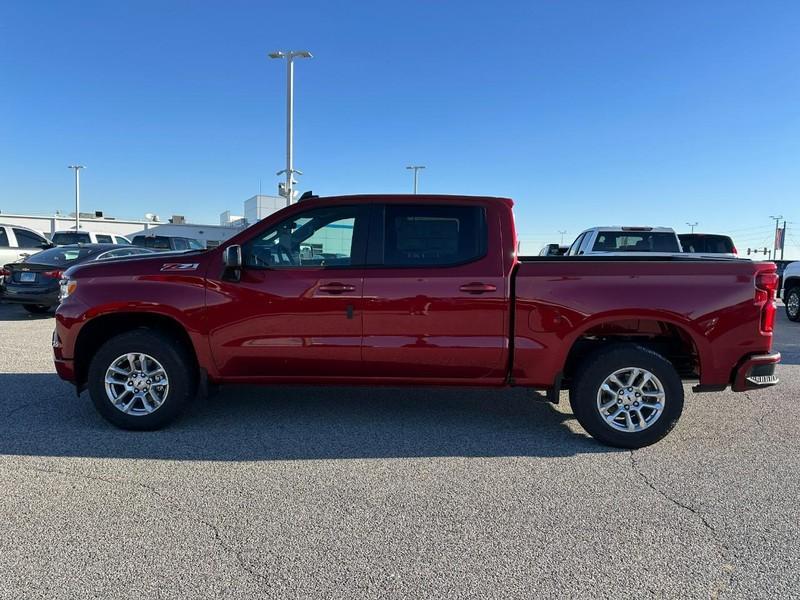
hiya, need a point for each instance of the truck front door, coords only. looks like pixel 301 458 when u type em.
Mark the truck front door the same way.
pixel 296 310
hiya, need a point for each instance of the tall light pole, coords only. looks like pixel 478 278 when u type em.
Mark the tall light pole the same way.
pixel 77 169
pixel 562 236
pixel 289 171
pixel 416 169
pixel 692 225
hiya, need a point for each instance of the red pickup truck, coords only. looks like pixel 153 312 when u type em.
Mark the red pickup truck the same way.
pixel 415 290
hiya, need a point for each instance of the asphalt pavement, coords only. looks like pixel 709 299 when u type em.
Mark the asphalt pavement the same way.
pixel 313 492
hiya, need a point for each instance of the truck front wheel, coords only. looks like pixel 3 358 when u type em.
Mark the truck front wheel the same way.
pixel 627 396
pixel 141 380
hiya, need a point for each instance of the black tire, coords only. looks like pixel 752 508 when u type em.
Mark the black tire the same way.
pixel 594 371
pixel 792 299
pixel 174 358
pixel 36 309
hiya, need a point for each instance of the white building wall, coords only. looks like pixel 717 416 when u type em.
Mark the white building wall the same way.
pixel 128 228
pixel 260 206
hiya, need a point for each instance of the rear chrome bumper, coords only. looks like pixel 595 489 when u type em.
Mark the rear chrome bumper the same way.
pixel 756 371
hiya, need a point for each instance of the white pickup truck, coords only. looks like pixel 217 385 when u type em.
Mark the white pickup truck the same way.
pixel 18 242
pixel 626 241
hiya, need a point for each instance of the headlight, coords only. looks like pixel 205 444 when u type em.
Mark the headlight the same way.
pixel 67 288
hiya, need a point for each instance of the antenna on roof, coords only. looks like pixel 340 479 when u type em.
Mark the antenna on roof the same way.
pixel 307 196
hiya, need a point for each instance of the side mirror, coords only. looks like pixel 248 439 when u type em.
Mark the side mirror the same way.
pixel 47 245
pixel 232 260
pixel 233 257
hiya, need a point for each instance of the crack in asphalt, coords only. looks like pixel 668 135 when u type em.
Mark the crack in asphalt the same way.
pixel 763 414
pixel 218 539
pixel 727 568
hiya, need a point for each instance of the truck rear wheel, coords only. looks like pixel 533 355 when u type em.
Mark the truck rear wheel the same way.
pixel 141 380
pixel 627 396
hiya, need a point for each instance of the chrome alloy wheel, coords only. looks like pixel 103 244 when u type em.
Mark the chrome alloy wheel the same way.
pixel 631 399
pixel 793 304
pixel 136 384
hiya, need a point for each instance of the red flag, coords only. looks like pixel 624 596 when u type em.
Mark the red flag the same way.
pixel 779 238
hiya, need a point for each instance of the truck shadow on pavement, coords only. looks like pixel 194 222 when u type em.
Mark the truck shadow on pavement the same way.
pixel 43 417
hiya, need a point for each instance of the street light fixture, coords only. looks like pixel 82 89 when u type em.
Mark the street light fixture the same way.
pixel 692 225
pixel 287 189
pixel 77 169
pixel 415 168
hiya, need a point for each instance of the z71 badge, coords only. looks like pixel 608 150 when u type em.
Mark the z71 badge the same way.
pixel 180 266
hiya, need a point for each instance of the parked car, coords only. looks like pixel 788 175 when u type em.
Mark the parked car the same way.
pixel 627 240
pixel 553 250
pixel 70 236
pixel 415 290
pixel 708 244
pixel 167 243
pixel 34 282
pixel 18 242
pixel 790 292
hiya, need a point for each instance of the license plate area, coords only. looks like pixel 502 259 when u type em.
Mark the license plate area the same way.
pixel 27 277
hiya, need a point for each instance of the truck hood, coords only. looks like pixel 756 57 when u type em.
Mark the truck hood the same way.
pixel 187 261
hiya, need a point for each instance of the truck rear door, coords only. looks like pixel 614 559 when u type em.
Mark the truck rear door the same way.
pixel 435 305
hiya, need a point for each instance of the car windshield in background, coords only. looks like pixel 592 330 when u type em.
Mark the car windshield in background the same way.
pixel 635 241
pixel 63 239
pixel 707 244
pixel 60 256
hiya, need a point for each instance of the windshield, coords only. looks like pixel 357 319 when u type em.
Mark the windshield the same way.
pixel 71 237
pixel 63 255
pixel 636 241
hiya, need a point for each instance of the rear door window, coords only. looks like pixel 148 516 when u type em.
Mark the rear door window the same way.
pixel 709 244
pixel 28 239
pixel 180 244
pixel 3 238
pixel 118 239
pixel 104 239
pixel 416 235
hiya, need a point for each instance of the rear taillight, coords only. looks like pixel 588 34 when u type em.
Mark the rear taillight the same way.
pixel 734 251
pixel 766 287
pixel 52 274
pixel 4 272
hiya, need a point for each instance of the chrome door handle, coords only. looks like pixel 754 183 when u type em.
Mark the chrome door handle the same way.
pixel 336 288
pixel 478 288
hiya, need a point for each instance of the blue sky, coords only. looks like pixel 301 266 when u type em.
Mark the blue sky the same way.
pixel 585 113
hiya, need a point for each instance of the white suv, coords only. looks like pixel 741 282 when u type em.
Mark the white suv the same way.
pixel 70 236
pixel 18 242
pixel 626 241
pixel 790 291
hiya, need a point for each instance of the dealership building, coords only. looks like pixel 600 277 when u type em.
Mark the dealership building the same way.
pixel 255 209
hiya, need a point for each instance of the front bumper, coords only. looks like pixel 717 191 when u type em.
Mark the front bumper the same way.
pixel 755 372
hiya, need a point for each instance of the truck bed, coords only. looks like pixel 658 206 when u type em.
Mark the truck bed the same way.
pixel 702 305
